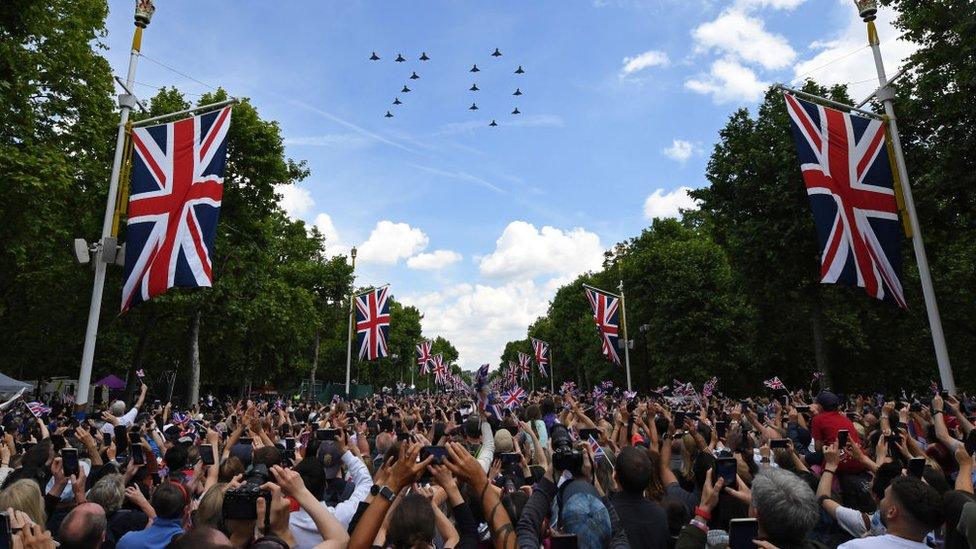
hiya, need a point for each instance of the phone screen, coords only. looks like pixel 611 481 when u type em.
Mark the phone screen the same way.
pixel 290 443
pixel 6 536
pixel 206 454
pixel 725 468
pixel 842 437
pixel 107 438
pixel 721 427
pixel 585 434
pixel 742 532
pixel 134 437
pixel 69 457
pixel 916 466
pixel 779 443
pixel 510 458
pixel 563 541
pixel 439 453
pixel 326 434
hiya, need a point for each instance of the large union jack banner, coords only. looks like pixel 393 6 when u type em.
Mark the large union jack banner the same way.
pixel 605 314
pixel 440 369
pixel 176 187
pixel 844 159
pixel 423 357
pixel 373 323
pixel 541 350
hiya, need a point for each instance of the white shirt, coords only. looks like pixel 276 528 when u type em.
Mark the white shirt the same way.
pixel 852 521
pixel 886 541
pixel 124 420
pixel 302 526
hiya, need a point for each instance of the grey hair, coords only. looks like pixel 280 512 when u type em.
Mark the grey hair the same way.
pixel 109 492
pixel 118 408
pixel 786 505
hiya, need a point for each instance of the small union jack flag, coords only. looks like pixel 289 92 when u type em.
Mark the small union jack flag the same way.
pixel 817 376
pixel 847 173
pixel 775 384
pixel 596 448
pixel 373 323
pixel 423 357
pixel 38 409
pixel 568 387
pixel 605 314
pixel 512 374
pixel 709 387
pixel 480 377
pixel 140 374
pixel 934 387
pixel 176 187
pixel 514 397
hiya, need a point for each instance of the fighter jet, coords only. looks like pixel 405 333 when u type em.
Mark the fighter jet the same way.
pixel 399 59
pixel 496 53
pixel 474 87
pixel 396 101
pixel 475 69
pixel 473 107
pixel 374 57
pixel 388 114
pixel 423 57
pixel 414 76
pixel 493 124
pixel 517 91
pixel 519 70
pixel 516 111
pixel 405 89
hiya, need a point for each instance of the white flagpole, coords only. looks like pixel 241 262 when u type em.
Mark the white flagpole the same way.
pixel 623 322
pixel 886 95
pixel 352 314
pixel 552 371
pixel 143 14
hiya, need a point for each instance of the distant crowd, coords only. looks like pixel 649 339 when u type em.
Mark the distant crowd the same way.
pixel 601 468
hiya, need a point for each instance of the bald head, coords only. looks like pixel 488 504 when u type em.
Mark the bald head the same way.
pixel 84 527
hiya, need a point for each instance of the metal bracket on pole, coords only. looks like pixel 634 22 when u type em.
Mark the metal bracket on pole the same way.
pixel 130 93
pixel 884 92
pixel 830 102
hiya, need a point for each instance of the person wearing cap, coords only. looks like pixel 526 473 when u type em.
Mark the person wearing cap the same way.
pixel 332 455
pixel 825 426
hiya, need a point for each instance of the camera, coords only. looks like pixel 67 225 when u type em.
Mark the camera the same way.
pixel 564 456
pixel 241 502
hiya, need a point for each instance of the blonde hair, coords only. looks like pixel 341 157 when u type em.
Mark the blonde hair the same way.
pixel 210 509
pixel 25 495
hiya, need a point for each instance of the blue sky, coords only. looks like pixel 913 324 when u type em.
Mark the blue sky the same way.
pixel 478 226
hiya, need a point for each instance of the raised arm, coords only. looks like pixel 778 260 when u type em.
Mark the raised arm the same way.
pixel 142 396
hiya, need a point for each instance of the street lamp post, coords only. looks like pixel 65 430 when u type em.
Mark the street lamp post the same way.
pixel 868 10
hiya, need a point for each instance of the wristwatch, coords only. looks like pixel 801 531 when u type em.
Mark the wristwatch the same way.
pixel 384 491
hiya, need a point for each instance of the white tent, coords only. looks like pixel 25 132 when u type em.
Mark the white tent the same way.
pixel 10 385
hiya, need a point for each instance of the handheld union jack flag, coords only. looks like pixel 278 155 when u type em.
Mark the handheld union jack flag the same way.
pixel 480 377
pixel 525 364
pixel 423 357
pixel 512 375
pixel 176 187
pixel 605 314
pixel 38 409
pixel 775 384
pixel 541 351
pixel 514 397
pixel 848 177
pixel 373 323
pixel 709 387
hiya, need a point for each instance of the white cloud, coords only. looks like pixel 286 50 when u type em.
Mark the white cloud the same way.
pixel 668 204
pixel 390 242
pixel 728 81
pixel 845 59
pixel 438 259
pixel 744 37
pixel 523 252
pixel 479 319
pixel 680 150
pixel 333 244
pixel 296 201
pixel 650 58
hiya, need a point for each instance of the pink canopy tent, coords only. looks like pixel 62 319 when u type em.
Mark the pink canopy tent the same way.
pixel 112 382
